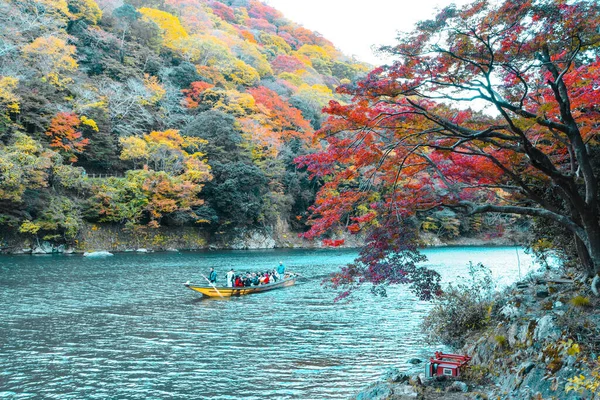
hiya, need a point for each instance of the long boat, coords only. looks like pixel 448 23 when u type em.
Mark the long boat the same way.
pixel 223 291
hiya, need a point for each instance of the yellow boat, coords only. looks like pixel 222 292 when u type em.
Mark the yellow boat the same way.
pixel 222 291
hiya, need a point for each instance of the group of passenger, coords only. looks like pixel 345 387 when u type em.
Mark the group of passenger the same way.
pixel 250 278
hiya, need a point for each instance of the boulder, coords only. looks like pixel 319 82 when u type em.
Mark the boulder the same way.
pixel 510 311
pixel 378 392
pixel 546 329
pixel 458 386
pixel 394 375
pixel 415 361
pixel 542 293
pixel 43 248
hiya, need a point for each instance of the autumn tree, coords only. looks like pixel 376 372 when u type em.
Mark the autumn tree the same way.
pixel 53 57
pixel 411 140
pixel 65 133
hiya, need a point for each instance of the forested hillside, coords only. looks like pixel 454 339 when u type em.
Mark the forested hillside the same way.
pixel 149 113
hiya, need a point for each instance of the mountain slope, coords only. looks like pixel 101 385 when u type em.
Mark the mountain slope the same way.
pixel 153 113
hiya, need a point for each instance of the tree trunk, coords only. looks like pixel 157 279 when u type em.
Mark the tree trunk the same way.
pixel 584 256
pixel 592 229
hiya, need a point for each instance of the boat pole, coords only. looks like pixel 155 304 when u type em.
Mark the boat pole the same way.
pixel 213 286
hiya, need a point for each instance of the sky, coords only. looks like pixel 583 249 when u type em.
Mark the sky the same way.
pixel 354 26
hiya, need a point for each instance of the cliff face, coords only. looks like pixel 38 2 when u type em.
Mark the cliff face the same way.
pixel 546 334
pixel 114 238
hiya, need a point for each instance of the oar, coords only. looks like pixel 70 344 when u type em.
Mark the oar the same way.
pixel 213 286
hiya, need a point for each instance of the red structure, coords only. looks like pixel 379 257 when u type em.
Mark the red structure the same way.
pixel 446 364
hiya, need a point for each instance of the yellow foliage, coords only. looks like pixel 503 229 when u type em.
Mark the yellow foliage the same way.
pixel 157 91
pixel 241 73
pixel 53 57
pixel 56 8
pixel 86 10
pixel 7 96
pixel 313 51
pixel 581 383
pixel 29 227
pixel 236 103
pixel 275 43
pixel 26 145
pixel 134 148
pixel 203 50
pixel 89 122
pixel 172 28
pixel 292 78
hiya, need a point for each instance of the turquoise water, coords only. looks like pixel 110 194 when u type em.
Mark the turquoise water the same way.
pixel 124 327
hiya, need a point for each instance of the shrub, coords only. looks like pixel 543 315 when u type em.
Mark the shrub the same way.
pixel 461 309
pixel 580 301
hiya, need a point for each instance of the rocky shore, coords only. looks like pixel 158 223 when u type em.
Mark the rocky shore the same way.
pixel 114 238
pixel 542 342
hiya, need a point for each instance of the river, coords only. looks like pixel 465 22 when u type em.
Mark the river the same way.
pixel 124 327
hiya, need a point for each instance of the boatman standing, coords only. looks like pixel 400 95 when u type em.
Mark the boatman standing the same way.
pixel 230 276
pixel 212 277
pixel 281 269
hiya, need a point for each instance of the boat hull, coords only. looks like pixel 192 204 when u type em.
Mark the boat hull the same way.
pixel 220 291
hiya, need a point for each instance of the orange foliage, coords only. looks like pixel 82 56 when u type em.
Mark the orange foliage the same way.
pixel 65 136
pixel 192 95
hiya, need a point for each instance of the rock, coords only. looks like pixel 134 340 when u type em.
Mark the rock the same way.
pixel 546 329
pixel 510 311
pixel 542 294
pixel 558 304
pixel 525 368
pixel 69 250
pixel 60 249
pixel 101 253
pixel 415 361
pixel 254 240
pixel 394 375
pixel 458 386
pixel 405 392
pixel 26 251
pixel 172 250
pixel 142 250
pixel 512 334
pixel 43 248
pixel 416 380
pixel 378 392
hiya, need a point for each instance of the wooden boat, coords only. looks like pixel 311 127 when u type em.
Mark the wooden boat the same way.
pixel 222 291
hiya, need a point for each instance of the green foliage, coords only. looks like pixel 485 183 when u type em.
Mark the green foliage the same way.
pixel 59 220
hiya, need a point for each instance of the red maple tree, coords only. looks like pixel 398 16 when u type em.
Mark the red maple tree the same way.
pixel 410 140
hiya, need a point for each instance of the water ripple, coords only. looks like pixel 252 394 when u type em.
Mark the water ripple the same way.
pixel 125 327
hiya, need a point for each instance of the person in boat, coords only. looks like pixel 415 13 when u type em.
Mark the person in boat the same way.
pixel 267 278
pixel 255 279
pixel 281 269
pixel 238 281
pixel 230 278
pixel 275 276
pixel 212 277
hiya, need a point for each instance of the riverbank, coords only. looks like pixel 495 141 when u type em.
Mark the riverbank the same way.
pixel 542 341
pixel 116 239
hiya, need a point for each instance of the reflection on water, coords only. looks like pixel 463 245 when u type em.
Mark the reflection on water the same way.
pixel 126 327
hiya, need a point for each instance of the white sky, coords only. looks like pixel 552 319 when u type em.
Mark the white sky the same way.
pixel 354 26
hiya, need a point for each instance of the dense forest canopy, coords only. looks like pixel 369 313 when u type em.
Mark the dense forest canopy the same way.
pixel 142 113
pixel 410 141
